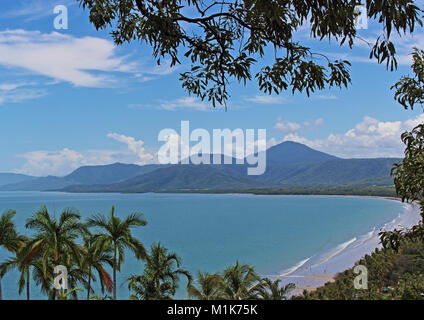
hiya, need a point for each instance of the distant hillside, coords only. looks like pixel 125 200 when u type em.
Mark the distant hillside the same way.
pixel 87 175
pixel 333 173
pixel 38 184
pixel 360 172
pixel 108 173
pixel 289 164
pixel 178 177
pixel 7 178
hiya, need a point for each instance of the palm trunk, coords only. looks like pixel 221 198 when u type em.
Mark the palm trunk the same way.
pixel 114 273
pixel 27 283
pixel 89 284
pixel 56 291
pixel 56 263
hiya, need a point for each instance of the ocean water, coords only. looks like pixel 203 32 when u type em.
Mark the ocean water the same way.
pixel 277 234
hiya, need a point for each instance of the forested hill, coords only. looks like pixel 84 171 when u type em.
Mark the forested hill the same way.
pixel 289 164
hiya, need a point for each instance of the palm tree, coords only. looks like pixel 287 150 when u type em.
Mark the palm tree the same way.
pixel 9 238
pixel 209 287
pixel 161 275
pixel 95 255
pixel 23 261
pixel 144 288
pixel 97 297
pixel 56 238
pixel 269 290
pixel 239 282
pixel 76 275
pixel 44 276
pixel 117 233
pixel 64 296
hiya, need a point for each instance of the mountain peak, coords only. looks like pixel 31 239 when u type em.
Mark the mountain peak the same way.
pixel 294 152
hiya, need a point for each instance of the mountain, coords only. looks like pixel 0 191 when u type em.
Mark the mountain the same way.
pixel 174 178
pixel 289 164
pixel 290 152
pixel 87 175
pixel 108 173
pixel 8 178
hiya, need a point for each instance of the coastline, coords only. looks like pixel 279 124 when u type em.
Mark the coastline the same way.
pixel 339 257
pixel 315 271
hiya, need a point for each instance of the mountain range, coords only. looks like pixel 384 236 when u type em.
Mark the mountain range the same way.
pixel 289 164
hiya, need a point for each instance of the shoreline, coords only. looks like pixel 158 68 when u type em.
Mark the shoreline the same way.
pixel 315 271
pixel 321 267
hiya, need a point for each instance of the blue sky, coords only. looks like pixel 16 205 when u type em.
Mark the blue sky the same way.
pixel 70 98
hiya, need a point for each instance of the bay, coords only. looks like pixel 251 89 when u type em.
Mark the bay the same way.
pixel 210 232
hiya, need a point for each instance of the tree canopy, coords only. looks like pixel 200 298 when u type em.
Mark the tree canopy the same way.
pixel 409 174
pixel 223 40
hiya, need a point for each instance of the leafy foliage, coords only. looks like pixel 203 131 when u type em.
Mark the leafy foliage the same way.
pixel 117 234
pixel 272 290
pixel 162 272
pixel 56 237
pixel 97 255
pixel 23 262
pixel 9 237
pixel 224 39
pixel 409 173
pixel 410 90
pixel 208 287
pixel 237 282
pixel 57 241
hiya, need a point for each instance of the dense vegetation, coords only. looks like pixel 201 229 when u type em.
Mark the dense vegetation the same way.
pixel 90 250
pixel 342 191
pixel 396 271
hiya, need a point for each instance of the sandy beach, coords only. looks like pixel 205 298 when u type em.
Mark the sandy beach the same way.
pixel 315 271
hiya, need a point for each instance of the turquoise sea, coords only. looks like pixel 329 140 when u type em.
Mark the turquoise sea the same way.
pixel 210 232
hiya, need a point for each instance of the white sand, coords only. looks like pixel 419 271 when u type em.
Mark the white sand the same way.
pixel 312 274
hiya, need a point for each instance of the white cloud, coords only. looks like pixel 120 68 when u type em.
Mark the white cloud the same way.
pixel 314 123
pixel 135 146
pixel 10 86
pixel 326 97
pixel 369 138
pixel 294 127
pixel 80 61
pixel 62 162
pixel 17 92
pixel 31 10
pixel 404 45
pixel 267 99
pixel 287 126
pixel 319 122
pixel 172 105
pixel 163 69
pixel 184 103
pixel 228 148
pixel 152 73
